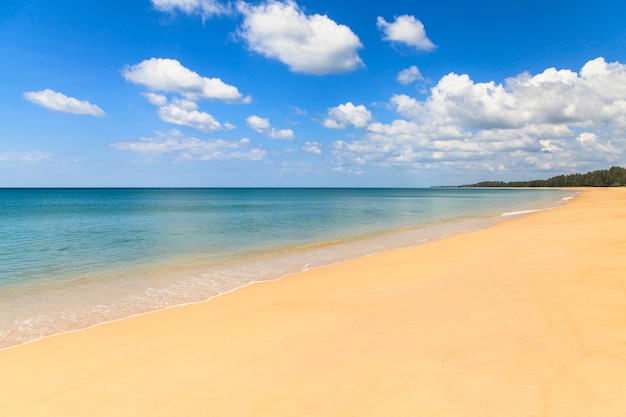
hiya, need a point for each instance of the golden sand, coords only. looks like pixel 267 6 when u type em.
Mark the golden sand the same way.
pixel 526 318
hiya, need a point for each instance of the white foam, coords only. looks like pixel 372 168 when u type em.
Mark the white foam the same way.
pixel 520 212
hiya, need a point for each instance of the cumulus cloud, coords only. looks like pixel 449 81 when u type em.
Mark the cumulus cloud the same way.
pixel 587 138
pixel 347 114
pixel 406 29
pixel 281 134
pixel 608 80
pixel 53 100
pixel 312 44
pixel 591 143
pixel 556 120
pixel 205 8
pixel 184 148
pixel 314 148
pixel 262 125
pixel 156 99
pixel 456 99
pixel 185 113
pixel 409 75
pixel 169 75
pixel 258 124
pixel 27 156
pixel 410 145
pixel 548 145
pixel 553 97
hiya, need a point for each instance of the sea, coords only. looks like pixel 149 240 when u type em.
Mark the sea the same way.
pixel 74 258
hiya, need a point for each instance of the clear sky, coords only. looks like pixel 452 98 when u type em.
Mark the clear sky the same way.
pixel 308 93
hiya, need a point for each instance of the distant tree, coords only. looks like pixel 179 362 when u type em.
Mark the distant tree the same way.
pixel 613 177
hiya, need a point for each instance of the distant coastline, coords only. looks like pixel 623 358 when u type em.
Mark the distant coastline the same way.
pixel 613 177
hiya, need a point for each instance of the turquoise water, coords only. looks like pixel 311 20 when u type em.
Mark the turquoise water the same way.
pixel 72 258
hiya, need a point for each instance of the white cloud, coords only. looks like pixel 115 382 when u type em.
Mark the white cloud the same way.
pixel 156 99
pixel 258 124
pixel 556 120
pixel 458 100
pixel 591 143
pixel 262 125
pixel 553 97
pixel 52 100
pixel 406 29
pixel 548 146
pixel 205 8
pixel 281 134
pixel 314 148
pixel 409 145
pixel 608 80
pixel 347 114
pixel 409 75
pixel 163 74
pixel 312 44
pixel 169 76
pixel 183 148
pixel 185 113
pixel 27 156
pixel 587 138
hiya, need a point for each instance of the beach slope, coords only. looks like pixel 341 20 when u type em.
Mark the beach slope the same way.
pixel 526 318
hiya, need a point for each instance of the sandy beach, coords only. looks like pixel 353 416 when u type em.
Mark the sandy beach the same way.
pixel 526 318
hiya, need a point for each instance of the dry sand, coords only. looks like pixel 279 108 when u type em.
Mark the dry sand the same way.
pixel 527 318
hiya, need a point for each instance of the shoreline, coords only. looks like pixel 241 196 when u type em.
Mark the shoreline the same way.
pixel 522 318
pixel 349 249
pixel 432 238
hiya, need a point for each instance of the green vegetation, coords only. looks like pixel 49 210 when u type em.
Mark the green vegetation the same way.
pixel 613 177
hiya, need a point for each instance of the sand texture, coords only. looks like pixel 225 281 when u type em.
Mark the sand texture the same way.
pixel 526 318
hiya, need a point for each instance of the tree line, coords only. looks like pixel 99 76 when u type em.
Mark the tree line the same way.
pixel 612 177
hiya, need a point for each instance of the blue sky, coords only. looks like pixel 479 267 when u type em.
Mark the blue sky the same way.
pixel 308 93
